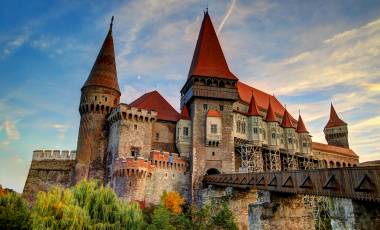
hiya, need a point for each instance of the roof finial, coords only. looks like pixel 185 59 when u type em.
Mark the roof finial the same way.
pixel 111 24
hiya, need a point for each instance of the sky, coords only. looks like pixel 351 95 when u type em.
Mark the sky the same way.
pixel 307 53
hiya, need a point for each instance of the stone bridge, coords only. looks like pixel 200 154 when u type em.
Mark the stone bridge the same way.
pixel 330 198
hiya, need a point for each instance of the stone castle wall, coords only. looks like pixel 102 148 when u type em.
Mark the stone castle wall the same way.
pixel 143 180
pixel 49 168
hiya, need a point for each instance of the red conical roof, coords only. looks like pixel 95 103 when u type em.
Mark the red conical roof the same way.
pixel 208 59
pixel 301 126
pixel 286 121
pixel 270 113
pixel 253 110
pixel 334 120
pixel 185 113
pixel 154 101
pixel 103 72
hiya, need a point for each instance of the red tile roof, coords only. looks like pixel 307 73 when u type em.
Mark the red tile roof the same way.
pixel 270 113
pixel 208 59
pixel 252 109
pixel 213 113
pixel 103 72
pixel 154 101
pixel 185 113
pixel 261 98
pixel 301 128
pixel 286 121
pixel 334 120
pixel 333 149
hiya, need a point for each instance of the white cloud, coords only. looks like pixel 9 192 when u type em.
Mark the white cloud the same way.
pixel 61 129
pixel 11 131
pixel 226 16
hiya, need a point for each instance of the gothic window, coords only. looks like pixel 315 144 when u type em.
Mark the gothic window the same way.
pixel 157 136
pixel 255 130
pixel 221 107
pixel 304 144
pixel 238 126
pixel 273 136
pixel 205 106
pixel 290 140
pixel 214 128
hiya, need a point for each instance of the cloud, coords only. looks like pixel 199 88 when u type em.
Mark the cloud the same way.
pixel 61 129
pixel 11 130
pixel 14 43
pixel 229 11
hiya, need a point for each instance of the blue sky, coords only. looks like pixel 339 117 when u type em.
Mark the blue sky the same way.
pixel 308 53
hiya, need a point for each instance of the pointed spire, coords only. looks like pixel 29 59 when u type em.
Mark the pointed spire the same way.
pixel 185 113
pixel 253 110
pixel 208 59
pixel 301 128
pixel 103 72
pixel 334 120
pixel 286 121
pixel 270 113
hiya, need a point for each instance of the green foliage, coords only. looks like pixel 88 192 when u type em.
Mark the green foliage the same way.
pixel 57 209
pixel 14 212
pixel 85 206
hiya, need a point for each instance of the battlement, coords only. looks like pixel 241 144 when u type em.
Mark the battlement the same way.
pixel 133 166
pixel 168 160
pixel 40 155
pixel 124 111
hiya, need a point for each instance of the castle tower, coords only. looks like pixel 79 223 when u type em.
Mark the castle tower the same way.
pixel 273 127
pixel 210 86
pixel 100 94
pixel 303 136
pixel 254 121
pixel 289 132
pixel 336 132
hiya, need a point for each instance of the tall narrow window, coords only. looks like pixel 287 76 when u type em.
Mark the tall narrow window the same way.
pixel 255 130
pixel 214 128
pixel 243 127
pixel 186 131
pixel 205 107
pixel 157 136
pixel 221 107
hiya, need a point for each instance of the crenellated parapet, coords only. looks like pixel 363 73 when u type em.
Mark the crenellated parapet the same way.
pixel 131 166
pixel 166 160
pixel 126 112
pixel 40 155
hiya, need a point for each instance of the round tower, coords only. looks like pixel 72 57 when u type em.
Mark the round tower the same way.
pixel 336 131
pixel 100 94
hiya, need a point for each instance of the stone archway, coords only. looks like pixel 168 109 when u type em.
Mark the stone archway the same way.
pixel 212 171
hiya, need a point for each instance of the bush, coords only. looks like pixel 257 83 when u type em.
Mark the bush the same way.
pixel 14 212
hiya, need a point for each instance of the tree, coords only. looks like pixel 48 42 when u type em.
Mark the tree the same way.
pixel 58 209
pixel 14 212
pixel 88 205
pixel 173 202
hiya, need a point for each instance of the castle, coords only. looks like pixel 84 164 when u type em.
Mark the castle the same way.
pixel 146 147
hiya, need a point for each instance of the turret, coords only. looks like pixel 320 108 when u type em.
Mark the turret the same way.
pixel 254 121
pixel 183 132
pixel 336 131
pixel 304 138
pixel 289 132
pixel 272 125
pixel 100 94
